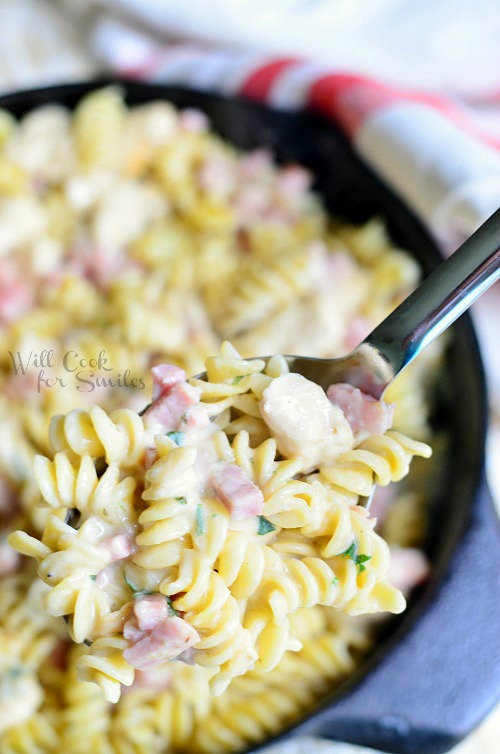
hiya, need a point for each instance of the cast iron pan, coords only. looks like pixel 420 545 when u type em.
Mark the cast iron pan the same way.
pixel 433 676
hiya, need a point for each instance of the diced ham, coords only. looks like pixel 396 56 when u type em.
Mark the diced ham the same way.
pixel 9 559
pixel 150 611
pixel 159 679
pixel 294 180
pixel 382 499
pixel 241 497
pixel 251 203
pixel 255 163
pixel 194 121
pixel 15 301
pixel 164 377
pixel 408 568
pixel 21 386
pixel 175 407
pixel 366 415
pixel 150 457
pixel 119 546
pixel 329 271
pixel 197 418
pixel 217 176
pixel 168 411
pixel 165 642
pixel 16 296
pixel 132 632
pixel 59 655
pixel 356 332
pixel 304 422
pixel 102 578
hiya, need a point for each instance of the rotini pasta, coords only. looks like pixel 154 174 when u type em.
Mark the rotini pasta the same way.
pixel 211 531
pixel 133 237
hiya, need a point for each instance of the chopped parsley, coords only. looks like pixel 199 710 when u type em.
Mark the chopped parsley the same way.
pixel 136 593
pixel 181 500
pixel 93 576
pixel 238 379
pixel 141 593
pixel 265 526
pixel 128 583
pixel 171 608
pixel 200 519
pixel 335 580
pixel 177 437
pixel 359 560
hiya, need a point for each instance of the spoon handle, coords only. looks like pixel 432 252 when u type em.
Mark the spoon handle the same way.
pixel 441 298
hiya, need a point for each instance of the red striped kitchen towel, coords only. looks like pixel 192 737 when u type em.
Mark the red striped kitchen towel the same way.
pixel 429 148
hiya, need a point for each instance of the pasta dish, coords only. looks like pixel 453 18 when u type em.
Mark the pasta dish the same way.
pixel 207 554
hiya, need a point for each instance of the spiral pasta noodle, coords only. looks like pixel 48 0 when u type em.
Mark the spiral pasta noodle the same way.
pixel 237 538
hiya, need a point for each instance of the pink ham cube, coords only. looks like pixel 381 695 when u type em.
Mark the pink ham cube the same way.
pixel 409 568
pixel 150 611
pixel 241 497
pixel 166 641
pixel 119 546
pixel 173 399
pixel 164 377
pixel 366 415
pixel 16 296
pixel 9 559
pixel 170 408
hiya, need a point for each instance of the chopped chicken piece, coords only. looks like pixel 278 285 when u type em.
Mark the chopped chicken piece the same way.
pixel 304 422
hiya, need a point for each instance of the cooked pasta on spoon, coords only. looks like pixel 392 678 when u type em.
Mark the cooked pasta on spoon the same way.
pixel 193 532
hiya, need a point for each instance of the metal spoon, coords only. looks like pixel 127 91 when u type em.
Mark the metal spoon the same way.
pixel 438 301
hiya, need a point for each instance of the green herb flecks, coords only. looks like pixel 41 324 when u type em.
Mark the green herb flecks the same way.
pixel 359 560
pixel 171 608
pixel 238 379
pixel 177 437
pixel 136 593
pixel 335 580
pixel 181 500
pixel 200 520
pixel 141 593
pixel 93 576
pixel 265 526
